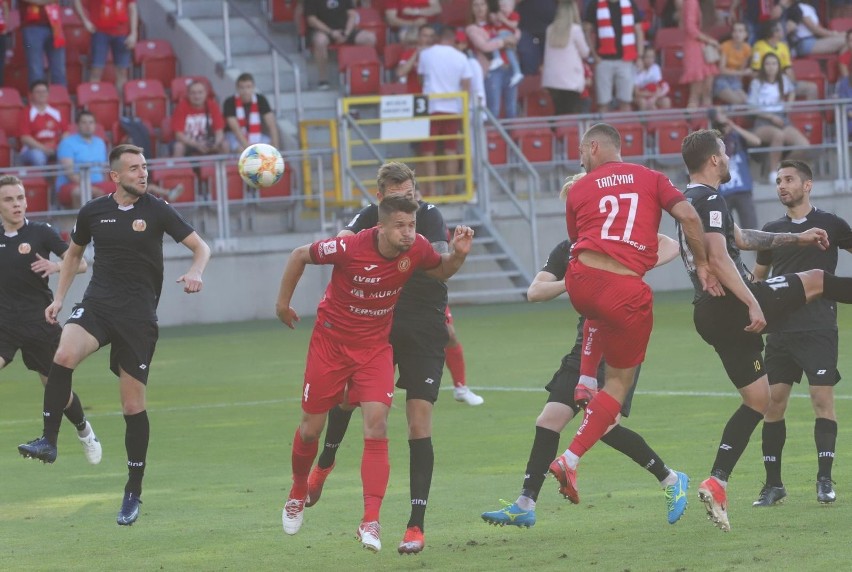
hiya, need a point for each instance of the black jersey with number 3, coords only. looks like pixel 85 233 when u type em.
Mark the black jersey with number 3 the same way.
pixel 820 314
pixel 421 293
pixel 127 275
pixel 24 294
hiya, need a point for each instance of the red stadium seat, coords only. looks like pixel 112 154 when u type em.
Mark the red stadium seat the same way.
pixel 370 19
pixel 669 45
pixel 810 124
pixel 146 98
pixel 280 189
pixel 282 10
pixel 78 40
pixel 669 135
pixel 497 149
pixel 11 108
pixel 455 13
pixel 359 66
pixel 530 84
pixel 390 59
pixel 119 136
pixel 394 88
pixel 179 85
pixel 538 104
pixel 568 136
pixel 58 97
pixel 632 139
pixel 37 191
pixel 536 143
pixel 5 151
pixel 233 181
pixel 809 70
pixel 171 174
pixel 840 24
pixel 101 98
pixel 678 92
pixel 157 59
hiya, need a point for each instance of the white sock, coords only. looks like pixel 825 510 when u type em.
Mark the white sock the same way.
pixel 525 503
pixel 590 382
pixel 573 460
pixel 670 480
pixel 86 431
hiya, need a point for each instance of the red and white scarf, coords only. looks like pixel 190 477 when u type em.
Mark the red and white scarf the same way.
pixel 606 33
pixel 250 126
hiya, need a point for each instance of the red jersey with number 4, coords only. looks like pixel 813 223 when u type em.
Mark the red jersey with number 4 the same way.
pixel 357 308
pixel 616 209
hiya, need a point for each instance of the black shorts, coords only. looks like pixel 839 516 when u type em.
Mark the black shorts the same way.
pixel 564 381
pixel 350 39
pixel 36 340
pixel 721 322
pixel 132 340
pixel 418 352
pixel 814 353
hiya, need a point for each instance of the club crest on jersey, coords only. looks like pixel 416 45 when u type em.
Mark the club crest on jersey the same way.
pixel 404 264
pixel 716 219
pixel 24 248
pixel 139 225
pixel 329 248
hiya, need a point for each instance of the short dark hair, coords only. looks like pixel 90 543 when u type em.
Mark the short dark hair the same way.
pixel 698 147
pixel 119 150
pixel 82 113
pixel 394 173
pixel 11 180
pixel 245 76
pixel 605 131
pixel 801 167
pixel 396 204
pixel 35 83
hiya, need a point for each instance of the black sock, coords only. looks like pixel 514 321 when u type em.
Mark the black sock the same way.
pixel 837 288
pixel 56 394
pixel 634 446
pixel 420 477
pixel 825 436
pixel 774 437
pixel 338 421
pixel 544 449
pixel 136 436
pixel 735 440
pixel 74 413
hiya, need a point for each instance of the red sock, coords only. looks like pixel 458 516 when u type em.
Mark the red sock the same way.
pixel 455 363
pixel 590 357
pixel 600 414
pixel 375 472
pixel 302 458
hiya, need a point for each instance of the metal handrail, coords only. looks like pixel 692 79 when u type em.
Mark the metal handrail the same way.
pixel 227 5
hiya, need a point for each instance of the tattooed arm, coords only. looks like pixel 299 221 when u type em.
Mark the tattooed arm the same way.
pixel 748 239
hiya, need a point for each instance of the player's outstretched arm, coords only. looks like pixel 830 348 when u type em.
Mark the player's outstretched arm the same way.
pixel 293 271
pixel 192 282
pixel 44 267
pixel 724 268
pixel 453 260
pixel 693 231
pixel 68 269
pixel 545 286
pixel 667 249
pixel 748 239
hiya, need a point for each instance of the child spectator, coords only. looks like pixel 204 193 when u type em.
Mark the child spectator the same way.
pixel 734 66
pixel 651 91
pixel 505 22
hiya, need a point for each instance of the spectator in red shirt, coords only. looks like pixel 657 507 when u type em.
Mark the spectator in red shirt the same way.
pixel 41 27
pixel 114 25
pixel 406 69
pixel 198 124
pixel 41 128
pixel 406 17
pixel 333 22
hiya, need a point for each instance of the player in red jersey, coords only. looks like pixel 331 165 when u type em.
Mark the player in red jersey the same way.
pixel 349 349
pixel 613 216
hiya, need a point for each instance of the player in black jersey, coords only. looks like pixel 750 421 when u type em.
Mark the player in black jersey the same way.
pixel 119 306
pixel 418 336
pixel 806 341
pixel 562 407
pixel 25 264
pixel 733 323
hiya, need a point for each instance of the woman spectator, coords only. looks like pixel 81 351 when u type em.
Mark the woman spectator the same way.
pixel 498 90
pixel 652 91
pixel 805 35
pixel 768 94
pixel 772 42
pixel 699 70
pixel 734 66
pixel 564 51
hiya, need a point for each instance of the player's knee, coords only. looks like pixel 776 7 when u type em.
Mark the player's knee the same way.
pixel 66 357
pixel 375 429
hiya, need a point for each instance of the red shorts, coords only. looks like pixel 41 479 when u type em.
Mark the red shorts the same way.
pixel 439 126
pixel 332 367
pixel 449 315
pixel 621 307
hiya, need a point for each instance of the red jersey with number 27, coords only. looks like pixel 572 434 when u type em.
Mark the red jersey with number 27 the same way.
pixel 616 209
pixel 357 308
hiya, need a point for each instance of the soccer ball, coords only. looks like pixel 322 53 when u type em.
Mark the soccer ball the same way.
pixel 261 165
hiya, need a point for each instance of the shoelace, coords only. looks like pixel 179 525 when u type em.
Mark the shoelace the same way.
pixel 293 508
pixel 371 527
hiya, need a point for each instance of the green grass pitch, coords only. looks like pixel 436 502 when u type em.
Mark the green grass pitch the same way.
pixel 224 404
